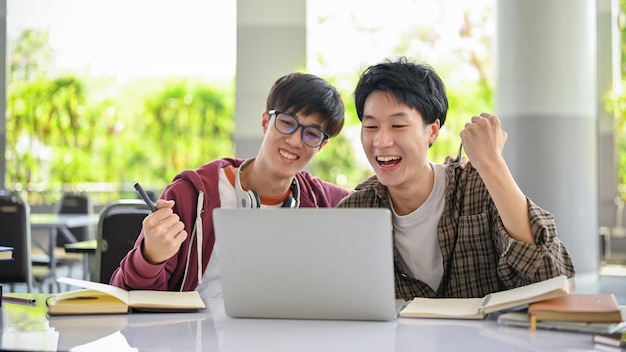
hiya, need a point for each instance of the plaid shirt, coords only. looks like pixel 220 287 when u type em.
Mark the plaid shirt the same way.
pixel 484 259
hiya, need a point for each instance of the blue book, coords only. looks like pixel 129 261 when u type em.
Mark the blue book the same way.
pixel 6 253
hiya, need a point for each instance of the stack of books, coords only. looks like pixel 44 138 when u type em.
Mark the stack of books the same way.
pixel 577 307
pixel 590 313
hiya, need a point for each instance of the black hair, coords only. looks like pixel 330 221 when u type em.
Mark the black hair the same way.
pixel 414 84
pixel 308 94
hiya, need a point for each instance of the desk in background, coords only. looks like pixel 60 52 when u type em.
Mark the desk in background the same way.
pixel 59 224
pixel 88 249
pixel 28 328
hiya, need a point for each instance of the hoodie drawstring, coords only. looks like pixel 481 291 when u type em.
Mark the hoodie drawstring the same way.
pixel 199 233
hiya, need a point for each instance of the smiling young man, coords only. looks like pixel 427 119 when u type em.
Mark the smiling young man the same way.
pixel 302 112
pixel 457 232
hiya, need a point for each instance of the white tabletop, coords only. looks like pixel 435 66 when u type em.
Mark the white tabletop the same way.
pixel 28 328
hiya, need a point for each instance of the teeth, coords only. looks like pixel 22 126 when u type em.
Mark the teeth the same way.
pixel 387 158
pixel 288 155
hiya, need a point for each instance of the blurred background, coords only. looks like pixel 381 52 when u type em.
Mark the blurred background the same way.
pixel 104 93
pixel 100 94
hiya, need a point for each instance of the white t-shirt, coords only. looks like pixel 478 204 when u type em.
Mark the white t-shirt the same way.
pixel 416 234
pixel 211 285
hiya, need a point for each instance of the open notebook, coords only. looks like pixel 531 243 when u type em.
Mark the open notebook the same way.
pixel 306 263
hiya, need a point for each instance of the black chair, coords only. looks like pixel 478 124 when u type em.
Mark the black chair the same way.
pixel 15 232
pixel 74 203
pixel 118 228
pixel 70 203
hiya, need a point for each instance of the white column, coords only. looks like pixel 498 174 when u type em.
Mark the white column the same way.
pixel 546 95
pixel 271 42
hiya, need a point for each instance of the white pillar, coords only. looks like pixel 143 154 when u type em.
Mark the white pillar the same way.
pixel 271 42
pixel 546 95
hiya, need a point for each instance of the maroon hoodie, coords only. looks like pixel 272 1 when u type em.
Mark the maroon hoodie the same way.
pixel 187 188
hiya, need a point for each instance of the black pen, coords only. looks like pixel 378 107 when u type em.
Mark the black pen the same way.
pixel 144 196
pixel 22 300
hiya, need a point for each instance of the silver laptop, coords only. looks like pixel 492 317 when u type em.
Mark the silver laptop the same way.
pixel 306 263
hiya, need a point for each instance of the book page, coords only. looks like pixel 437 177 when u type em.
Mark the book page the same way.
pixel 537 291
pixel 116 292
pixel 84 293
pixel 462 308
pixel 167 300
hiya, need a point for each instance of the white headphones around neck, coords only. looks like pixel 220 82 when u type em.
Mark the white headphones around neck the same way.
pixel 250 199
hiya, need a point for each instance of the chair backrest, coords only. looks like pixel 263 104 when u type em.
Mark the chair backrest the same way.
pixel 118 228
pixel 15 232
pixel 74 203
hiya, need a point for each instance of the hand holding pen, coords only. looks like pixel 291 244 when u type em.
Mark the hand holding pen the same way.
pixel 163 231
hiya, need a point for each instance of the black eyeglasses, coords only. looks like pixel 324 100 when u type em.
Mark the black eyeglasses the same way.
pixel 287 123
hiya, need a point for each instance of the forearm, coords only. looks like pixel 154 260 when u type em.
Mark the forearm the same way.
pixel 509 200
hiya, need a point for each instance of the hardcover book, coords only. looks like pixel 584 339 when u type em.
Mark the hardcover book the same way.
pixel 591 308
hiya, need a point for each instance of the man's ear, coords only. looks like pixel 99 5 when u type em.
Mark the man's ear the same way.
pixel 265 120
pixel 433 131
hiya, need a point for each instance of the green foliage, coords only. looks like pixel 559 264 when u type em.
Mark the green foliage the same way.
pixel 61 136
pixel 67 132
pixel 41 113
pixel 465 101
pixel 192 126
pixel 56 139
pixel 337 162
pixel 463 64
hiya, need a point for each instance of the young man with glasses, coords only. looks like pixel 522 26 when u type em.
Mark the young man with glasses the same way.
pixel 302 112
pixel 457 233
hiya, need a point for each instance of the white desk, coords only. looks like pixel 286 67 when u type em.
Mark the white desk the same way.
pixel 27 328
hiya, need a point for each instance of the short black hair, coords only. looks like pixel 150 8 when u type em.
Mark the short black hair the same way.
pixel 308 94
pixel 414 84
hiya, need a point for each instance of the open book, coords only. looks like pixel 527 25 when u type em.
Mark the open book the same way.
pixel 478 308
pixel 98 298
